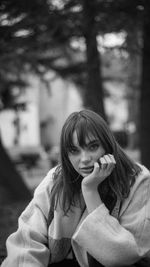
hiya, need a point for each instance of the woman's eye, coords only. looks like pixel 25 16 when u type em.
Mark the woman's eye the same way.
pixel 94 147
pixel 73 150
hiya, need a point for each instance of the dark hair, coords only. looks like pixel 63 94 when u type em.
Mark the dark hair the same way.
pixel 118 184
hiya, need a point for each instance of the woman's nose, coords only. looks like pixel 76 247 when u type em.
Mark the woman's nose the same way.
pixel 85 157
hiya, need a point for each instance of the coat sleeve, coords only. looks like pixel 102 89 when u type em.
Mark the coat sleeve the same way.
pixel 28 245
pixel 120 242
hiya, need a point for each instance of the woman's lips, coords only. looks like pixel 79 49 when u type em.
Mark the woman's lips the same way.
pixel 87 169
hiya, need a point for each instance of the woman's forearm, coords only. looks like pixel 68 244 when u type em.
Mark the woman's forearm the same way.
pixel 91 197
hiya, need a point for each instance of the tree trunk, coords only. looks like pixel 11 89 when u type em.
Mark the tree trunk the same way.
pixel 93 91
pixel 145 92
pixel 12 187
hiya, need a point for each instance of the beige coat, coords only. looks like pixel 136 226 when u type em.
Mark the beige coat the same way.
pixel 110 240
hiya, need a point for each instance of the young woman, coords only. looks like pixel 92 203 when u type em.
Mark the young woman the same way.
pixel 93 209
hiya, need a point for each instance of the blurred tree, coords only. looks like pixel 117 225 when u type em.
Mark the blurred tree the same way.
pixel 145 90
pixel 94 92
pixel 40 35
pixel 12 187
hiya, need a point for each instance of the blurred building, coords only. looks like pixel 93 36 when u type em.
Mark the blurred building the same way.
pixel 47 106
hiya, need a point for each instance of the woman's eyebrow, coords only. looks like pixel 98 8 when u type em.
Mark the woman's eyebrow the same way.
pixel 91 142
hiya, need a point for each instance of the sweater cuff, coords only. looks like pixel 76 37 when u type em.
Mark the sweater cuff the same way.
pixel 99 215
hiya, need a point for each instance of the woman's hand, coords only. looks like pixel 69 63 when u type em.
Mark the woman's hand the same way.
pixel 102 169
pixel 90 183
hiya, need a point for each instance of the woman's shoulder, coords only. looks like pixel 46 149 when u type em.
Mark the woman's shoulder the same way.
pixel 144 173
pixel 139 194
pixel 143 178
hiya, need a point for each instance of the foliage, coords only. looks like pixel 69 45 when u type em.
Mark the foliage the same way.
pixel 40 34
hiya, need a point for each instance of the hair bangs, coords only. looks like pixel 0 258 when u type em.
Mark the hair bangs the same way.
pixel 85 131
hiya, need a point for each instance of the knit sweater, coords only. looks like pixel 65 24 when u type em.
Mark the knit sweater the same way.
pixel 110 239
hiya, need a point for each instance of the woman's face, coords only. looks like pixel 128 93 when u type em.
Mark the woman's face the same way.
pixel 83 158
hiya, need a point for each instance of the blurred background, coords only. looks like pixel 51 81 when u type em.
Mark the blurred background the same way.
pixel 60 56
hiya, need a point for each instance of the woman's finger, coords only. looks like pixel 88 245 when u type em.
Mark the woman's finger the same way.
pixel 103 163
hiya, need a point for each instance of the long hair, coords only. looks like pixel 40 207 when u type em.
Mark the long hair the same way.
pixel 67 183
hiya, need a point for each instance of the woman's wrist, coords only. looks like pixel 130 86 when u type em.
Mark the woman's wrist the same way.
pixel 89 186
